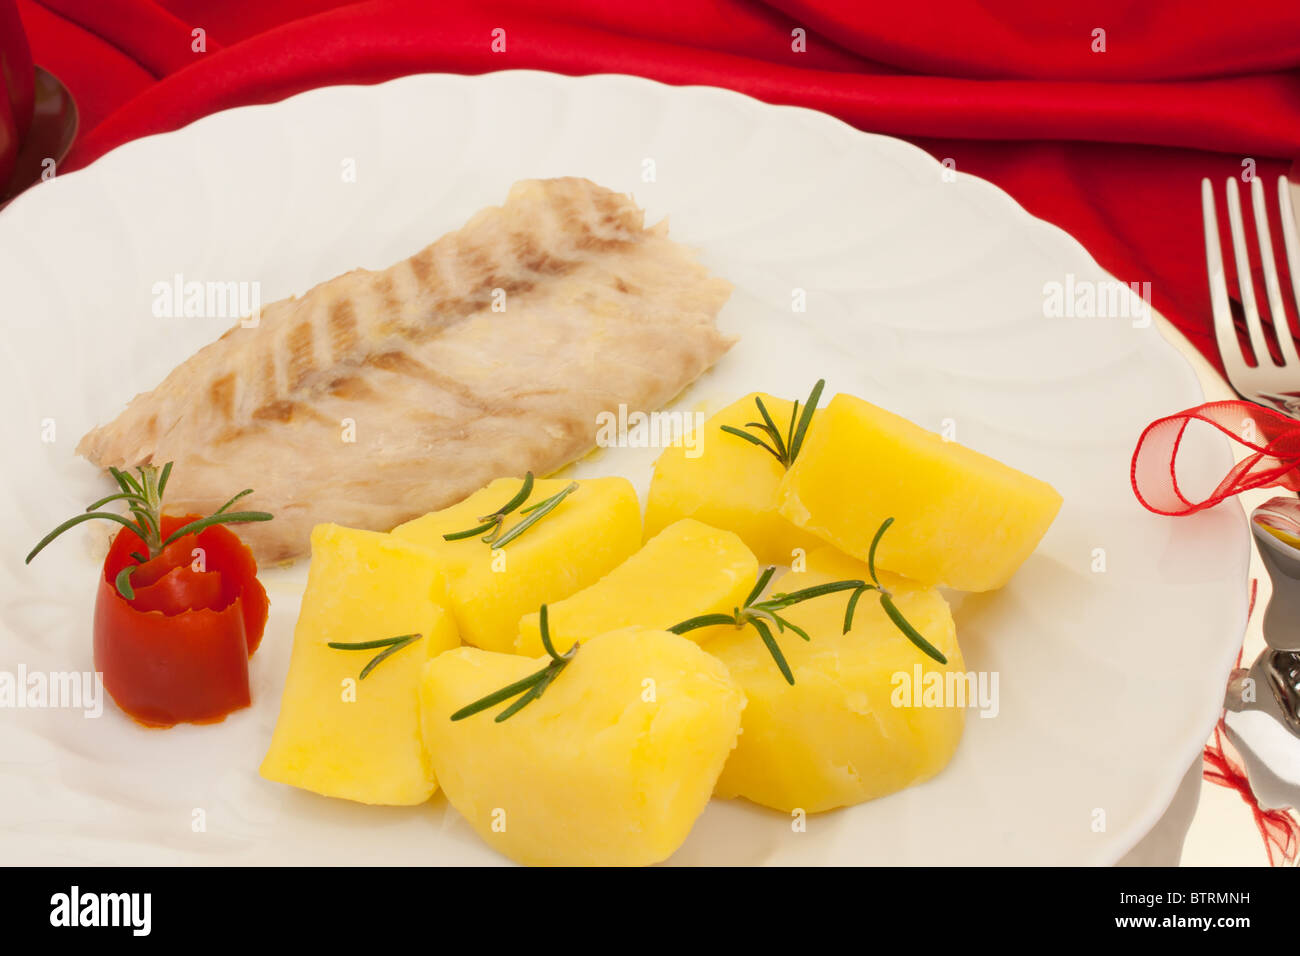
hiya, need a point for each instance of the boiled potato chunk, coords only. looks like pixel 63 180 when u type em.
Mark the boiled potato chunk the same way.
pixel 835 738
pixel 610 766
pixel 729 484
pixel 962 519
pixel 338 735
pixel 590 533
pixel 685 570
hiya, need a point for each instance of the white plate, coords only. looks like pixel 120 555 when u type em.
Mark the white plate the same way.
pixel 923 295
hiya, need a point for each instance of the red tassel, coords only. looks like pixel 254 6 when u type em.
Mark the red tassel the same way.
pixel 1222 765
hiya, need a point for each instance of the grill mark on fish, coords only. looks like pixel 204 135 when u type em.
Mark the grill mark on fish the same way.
pixel 222 396
pixel 399 363
pixel 601 310
pixel 422 266
pixel 350 388
pixel 270 389
pixel 301 360
pixel 281 411
pixel 343 328
pixel 387 294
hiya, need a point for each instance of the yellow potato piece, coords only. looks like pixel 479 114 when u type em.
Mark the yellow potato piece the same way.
pixel 730 484
pixel 685 570
pixel 610 766
pixel 338 735
pixel 962 519
pixel 835 737
pixel 589 534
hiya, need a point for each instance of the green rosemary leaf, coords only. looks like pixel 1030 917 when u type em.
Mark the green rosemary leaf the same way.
pixel 221 510
pixel 853 606
pixel 496 697
pixel 772 429
pixel 370 645
pixel 146 519
pixel 469 533
pixel 786 622
pixel 384 655
pixel 138 556
pixel 796 443
pixel 781 601
pixel 875 542
pixel 544 626
pixel 131 495
pixel 162 479
pixel 704 620
pixel 536 691
pixel 543 508
pixel 125 481
pixel 771 433
pixel 391 646
pixel 520 497
pixel 234 517
pixel 773 648
pixel 123 582
pixel 789 436
pixel 760 584
pixel 73 522
pixel 911 633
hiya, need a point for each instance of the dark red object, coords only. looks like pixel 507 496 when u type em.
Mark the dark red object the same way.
pixel 17 88
pixel 17 73
pixel 178 652
pixel 1105 134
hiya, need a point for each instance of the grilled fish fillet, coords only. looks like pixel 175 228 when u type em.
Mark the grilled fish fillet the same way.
pixel 379 396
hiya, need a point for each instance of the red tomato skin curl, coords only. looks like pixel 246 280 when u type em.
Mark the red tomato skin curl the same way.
pixel 179 652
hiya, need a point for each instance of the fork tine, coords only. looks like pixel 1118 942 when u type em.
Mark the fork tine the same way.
pixel 1290 240
pixel 1276 308
pixel 1245 279
pixel 1225 332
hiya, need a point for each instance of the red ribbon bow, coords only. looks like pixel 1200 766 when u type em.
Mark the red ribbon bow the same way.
pixel 1273 439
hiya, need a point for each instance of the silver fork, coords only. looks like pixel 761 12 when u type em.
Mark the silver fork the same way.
pixel 1270 384
pixel 1265 383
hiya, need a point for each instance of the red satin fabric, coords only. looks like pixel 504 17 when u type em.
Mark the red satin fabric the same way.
pixel 1109 145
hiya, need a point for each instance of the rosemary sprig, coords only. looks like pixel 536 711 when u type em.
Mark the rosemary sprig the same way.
pixel 887 602
pixel 492 523
pixel 761 615
pixel 391 646
pixel 496 536
pixel 143 495
pixel 535 514
pixel 783 447
pixel 531 687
